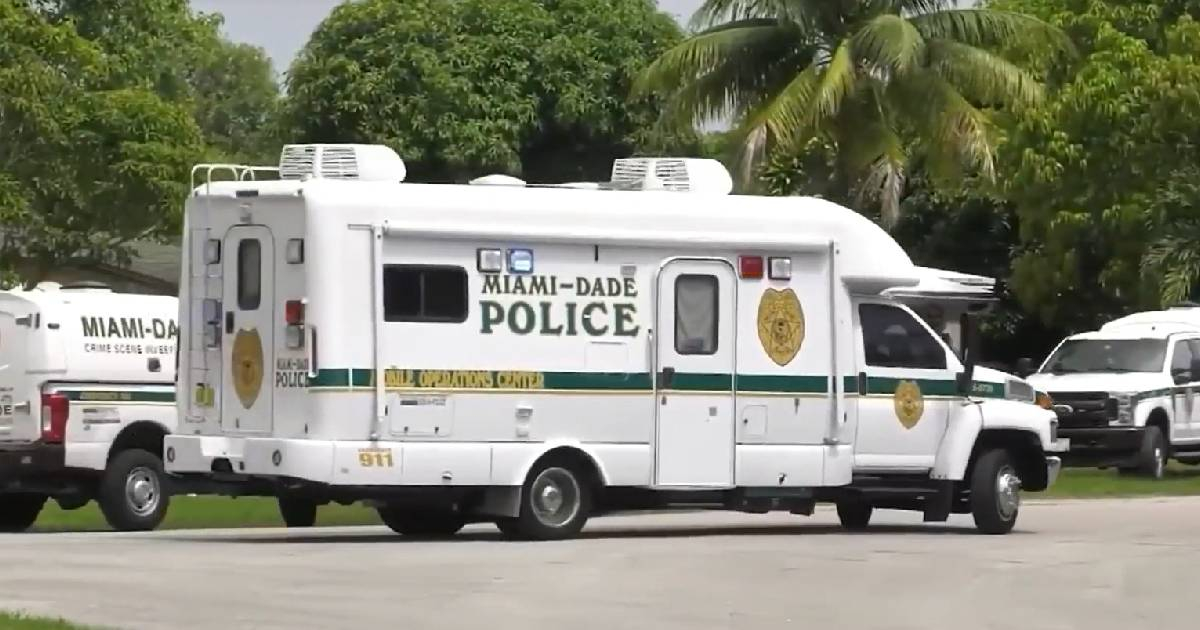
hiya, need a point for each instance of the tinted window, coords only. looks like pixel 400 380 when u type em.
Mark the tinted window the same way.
pixel 1181 361
pixel 893 338
pixel 420 293
pixel 696 314
pixel 249 274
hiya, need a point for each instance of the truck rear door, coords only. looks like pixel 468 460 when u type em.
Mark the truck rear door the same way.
pixel 18 422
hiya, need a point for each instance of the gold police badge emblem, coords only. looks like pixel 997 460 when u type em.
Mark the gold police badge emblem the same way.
pixel 780 325
pixel 247 366
pixel 909 403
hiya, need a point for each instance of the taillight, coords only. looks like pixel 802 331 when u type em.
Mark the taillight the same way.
pixel 293 315
pixel 56 408
pixel 293 312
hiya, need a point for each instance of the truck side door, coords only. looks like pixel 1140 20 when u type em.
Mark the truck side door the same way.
pixel 1183 395
pixel 906 386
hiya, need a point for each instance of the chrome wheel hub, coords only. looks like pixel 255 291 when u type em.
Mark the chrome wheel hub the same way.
pixel 555 497
pixel 142 491
pixel 1008 492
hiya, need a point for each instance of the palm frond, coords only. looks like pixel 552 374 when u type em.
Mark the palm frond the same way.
pixel 872 153
pixel 779 116
pixel 982 76
pixel 1175 259
pixel 989 28
pixel 954 132
pixel 889 41
pixel 804 13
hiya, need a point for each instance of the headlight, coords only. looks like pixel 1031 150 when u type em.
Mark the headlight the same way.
pixel 1019 390
pixel 1120 408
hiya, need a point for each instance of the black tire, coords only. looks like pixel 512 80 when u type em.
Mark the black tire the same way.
pixel 421 523
pixel 556 502
pixel 134 492
pixel 1152 462
pixel 19 511
pixel 995 510
pixel 297 511
pixel 854 514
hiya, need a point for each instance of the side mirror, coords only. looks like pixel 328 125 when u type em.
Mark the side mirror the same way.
pixel 964 380
pixel 1024 367
pixel 1181 376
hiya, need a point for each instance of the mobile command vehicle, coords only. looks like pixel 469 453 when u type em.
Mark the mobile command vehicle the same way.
pixel 533 355
pixel 1126 394
pixel 87 393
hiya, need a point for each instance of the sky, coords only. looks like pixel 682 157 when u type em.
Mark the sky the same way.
pixel 281 27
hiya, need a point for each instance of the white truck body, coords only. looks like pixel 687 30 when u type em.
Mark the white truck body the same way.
pixel 86 394
pixel 477 352
pixel 1128 394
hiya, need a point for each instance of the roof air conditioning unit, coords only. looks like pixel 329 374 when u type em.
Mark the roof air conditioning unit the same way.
pixel 366 162
pixel 696 175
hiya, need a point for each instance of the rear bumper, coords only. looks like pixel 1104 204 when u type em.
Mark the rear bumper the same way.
pixel 1102 446
pixel 31 466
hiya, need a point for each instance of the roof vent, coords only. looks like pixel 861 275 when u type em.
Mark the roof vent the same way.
pixel 367 162
pixel 697 175
pixel 47 285
pixel 497 179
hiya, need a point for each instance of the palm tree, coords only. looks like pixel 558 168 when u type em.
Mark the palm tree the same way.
pixel 881 80
pixel 1175 259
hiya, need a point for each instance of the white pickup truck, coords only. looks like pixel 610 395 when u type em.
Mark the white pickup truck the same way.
pixel 86 395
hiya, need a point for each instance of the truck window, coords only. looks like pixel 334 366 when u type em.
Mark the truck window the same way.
pixel 249 274
pixel 892 338
pixel 1181 361
pixel 696 314
pixel 424 293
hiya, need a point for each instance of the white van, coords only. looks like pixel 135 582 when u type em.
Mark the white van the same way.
pixel 532 355
pixel 87 393
pixel 1126 394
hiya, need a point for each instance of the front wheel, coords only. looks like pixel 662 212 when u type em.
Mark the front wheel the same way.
pixel 18 512
pixel 1153 462
pixel 995 492
pixel 298 512
pixel 555 504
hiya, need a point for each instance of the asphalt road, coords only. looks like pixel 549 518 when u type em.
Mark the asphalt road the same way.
pixel 1089 565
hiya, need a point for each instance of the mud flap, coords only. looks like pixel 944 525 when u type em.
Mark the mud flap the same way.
pixel 939 504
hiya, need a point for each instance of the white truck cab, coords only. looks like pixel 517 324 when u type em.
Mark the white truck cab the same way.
pixel 532 355
pixel 86 395
pixel 1127 394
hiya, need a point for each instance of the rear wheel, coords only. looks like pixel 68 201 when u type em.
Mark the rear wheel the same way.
pixel 419 523
pixel 18 512
pixel 297 511
pixel 854 514
pixel 555 503
pixel 995 492
pixel 133 492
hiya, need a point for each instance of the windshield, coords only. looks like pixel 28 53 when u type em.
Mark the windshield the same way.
pixel 1107 355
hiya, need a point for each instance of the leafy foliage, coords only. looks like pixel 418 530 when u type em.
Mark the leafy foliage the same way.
pixel 460 87
pixel 876 81
pixel 1093 169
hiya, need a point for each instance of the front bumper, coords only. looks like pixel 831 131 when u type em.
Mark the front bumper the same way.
pixel 1053 467
pixel 1102 446
pixel 28 466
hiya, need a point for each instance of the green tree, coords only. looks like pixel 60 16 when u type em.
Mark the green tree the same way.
pixel 86 165
pixel 1095 171
pixel 879 81
pixel 535 88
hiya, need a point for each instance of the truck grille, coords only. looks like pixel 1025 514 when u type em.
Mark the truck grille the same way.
pixel 1087 409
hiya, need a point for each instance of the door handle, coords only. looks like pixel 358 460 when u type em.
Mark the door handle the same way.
pixel 668 376
pixel 229 322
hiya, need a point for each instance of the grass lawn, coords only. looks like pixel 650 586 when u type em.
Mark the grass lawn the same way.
pixel 1093 483
pixel 20 621
pixel 217 512
pixel 205 512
